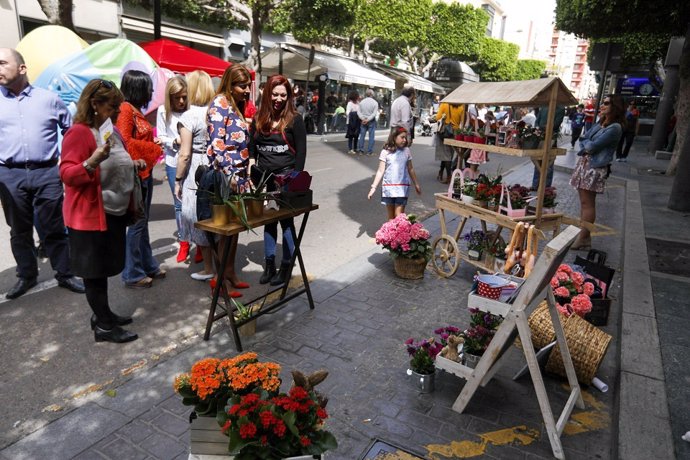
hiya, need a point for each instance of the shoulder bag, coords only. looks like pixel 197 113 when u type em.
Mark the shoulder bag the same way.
pixel 136 210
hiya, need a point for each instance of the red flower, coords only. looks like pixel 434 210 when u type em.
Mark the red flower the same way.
pixel 321 413
pixel 279 428
pixel 305 441
pixel 247 431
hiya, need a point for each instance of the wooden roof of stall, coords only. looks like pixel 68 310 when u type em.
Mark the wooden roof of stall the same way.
pixel 524 92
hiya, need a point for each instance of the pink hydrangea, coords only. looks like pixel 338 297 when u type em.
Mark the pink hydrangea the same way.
pixel 561 292
pixel 554 282
pixel 588 289
pixel 578 279
pixel 562 276
pixel 565 268
pixel 397 234
pixel 581 304
pixel 563 309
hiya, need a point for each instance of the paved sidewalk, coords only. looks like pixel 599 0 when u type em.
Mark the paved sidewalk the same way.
pixel 363 315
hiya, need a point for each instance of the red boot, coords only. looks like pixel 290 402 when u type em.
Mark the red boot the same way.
pixel 183 253
pixel 198 257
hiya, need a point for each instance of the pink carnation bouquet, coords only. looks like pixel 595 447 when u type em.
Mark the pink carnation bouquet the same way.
pixel 405 237
pixel 571 291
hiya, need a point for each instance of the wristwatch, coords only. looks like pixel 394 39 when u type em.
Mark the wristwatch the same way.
pixel 88 168
pixel 179 179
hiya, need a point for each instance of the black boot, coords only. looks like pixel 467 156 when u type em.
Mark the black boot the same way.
pixel 115 335
pixel 283 274
pixel 269 270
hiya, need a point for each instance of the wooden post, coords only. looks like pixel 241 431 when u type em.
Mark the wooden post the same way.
pixel 546 148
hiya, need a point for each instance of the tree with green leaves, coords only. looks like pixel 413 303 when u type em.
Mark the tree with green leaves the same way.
pixel 497 60
pixel 529 69
pixel 603 20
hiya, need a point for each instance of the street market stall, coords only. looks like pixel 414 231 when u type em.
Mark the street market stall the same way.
pixel 529 93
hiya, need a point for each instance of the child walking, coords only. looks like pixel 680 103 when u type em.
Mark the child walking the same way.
pixel 395 168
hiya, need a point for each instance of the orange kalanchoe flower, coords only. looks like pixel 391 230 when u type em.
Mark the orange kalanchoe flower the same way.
pixel 204 379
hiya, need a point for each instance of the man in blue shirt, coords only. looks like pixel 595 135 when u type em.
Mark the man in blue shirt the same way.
pixel 29 176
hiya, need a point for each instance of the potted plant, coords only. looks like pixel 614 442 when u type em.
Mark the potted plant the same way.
pixel 248 201
pixel 571 291
pixel 478 336
pixel 422 358
pixel 528 136
pixel 468 191
pixel 243 314
pixel 261 425
pixel 408 243
pixel 517 197
pixel 494 249
pixel 222 190
pixel 476 240
pixel 550 200
pixel 490 190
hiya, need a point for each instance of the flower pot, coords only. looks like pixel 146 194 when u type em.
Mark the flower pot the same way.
pixel 219 214
pixel 424 383
pixel 411 269
pixel 474 254
pixel 248 329
pixel 255 208
pixel 479 140
pixel 467 199
pixel 492 206
pixel 470 360
pixel 480 203
pixel 459 137
pixel 516 212
pixel 209 443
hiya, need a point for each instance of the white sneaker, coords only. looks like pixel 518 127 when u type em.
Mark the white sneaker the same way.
pixel 201 276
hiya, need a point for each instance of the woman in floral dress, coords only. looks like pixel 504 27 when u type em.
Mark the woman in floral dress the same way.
pixel 227 147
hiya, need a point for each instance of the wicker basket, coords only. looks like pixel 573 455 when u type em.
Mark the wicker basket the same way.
pixel 409 269
pixel 587 345
pixel 541 326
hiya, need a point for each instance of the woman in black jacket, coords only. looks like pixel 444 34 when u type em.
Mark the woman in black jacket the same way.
pixel 278 145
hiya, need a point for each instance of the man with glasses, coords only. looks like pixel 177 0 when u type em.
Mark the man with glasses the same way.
pixel 29 179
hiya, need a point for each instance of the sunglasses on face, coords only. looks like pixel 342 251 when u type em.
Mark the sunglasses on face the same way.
pixel 606 103
pixel 104 83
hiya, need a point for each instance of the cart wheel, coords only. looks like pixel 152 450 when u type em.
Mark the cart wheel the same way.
pixel 446 256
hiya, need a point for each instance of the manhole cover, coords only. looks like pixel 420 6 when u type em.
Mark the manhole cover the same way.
pixel 671 257
pixel 381 450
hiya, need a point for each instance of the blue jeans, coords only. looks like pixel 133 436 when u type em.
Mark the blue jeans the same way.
pixel 363 130
pixel 170 173
pixel 271 235
pixel 537 175
pixel 139 260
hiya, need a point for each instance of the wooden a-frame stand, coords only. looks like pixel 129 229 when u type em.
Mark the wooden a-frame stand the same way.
pixel 535 289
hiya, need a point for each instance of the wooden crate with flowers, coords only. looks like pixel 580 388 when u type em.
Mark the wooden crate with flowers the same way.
pixel 239 411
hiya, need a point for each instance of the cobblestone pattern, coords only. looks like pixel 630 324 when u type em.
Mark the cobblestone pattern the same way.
pixel 358 334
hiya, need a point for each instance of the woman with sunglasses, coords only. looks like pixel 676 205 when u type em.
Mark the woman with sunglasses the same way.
pixel 98 177
pixel 592 169
pixel 228 150
pixel 278 146
pixel 137 88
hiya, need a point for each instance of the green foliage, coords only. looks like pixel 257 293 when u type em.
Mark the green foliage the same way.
pixel 529 69
pixel 381 19
pixel 611 18
pixel 456 30
pixel 189 11
pixel 312 20
pixel 639 48
pixel 497 60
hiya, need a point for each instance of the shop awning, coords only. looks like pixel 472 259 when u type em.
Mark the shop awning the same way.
pixel 182 59
pixel 340 68
pixel 524 92
pixel 409 78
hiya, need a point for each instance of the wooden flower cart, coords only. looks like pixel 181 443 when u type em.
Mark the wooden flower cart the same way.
pixel 532 93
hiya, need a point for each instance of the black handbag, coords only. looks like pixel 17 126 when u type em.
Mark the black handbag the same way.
pixel 595 267
pixel 136 210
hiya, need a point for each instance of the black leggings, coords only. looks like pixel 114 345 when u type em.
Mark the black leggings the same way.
pixel 97 296
pixel 446 166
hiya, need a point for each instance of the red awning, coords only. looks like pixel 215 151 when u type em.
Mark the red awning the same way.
pixel 182 59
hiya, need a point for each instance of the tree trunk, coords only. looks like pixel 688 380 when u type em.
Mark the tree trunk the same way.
pixel 679 199
pixel 58 12
pixel 256 28
pixel 351 53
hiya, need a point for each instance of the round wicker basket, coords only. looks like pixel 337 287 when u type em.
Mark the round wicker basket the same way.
pixel 541 326
pixel 587 345
pixel 409 269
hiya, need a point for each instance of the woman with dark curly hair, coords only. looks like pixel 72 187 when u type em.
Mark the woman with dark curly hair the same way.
pixel 598 147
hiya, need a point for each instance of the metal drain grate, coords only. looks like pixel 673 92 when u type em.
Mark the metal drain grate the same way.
pixel 382 450
pixel 670 257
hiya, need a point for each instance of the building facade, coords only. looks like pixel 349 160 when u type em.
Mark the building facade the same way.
pixel 568 60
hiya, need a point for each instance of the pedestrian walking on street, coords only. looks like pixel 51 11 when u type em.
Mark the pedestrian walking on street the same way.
pixel 396 170
pixel 353 122
pixel 368 111
pixel 454 115
pixel 30 186
pixel 193 132
pixel 629 131
pixel 168 116
pixel 593 165
pixel 577 122
pixel 141 268
pixel 98 174
pixel 279 146
pixel 401 112
pixel 227 149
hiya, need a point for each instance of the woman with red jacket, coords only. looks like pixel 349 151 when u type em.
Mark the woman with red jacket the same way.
pixel 140 265
pixel 98 179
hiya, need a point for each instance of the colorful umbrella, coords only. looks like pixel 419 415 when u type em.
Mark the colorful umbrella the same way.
pixel 46 45
pixel 104 59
